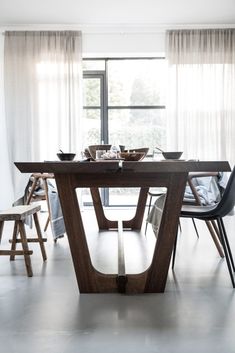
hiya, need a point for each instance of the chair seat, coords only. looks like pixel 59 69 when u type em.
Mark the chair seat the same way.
pixel 197 211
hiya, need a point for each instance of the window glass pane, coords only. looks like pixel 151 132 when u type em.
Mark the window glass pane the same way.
pixel 91 120
pixel 123 196
pixel 86 196
pixel 93 65
pixel 91 92
pixel 136 82
pixel 137 128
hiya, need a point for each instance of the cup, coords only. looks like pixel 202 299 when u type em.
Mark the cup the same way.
pixel 99 154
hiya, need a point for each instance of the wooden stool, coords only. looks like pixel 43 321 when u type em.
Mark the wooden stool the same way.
pixel 19 214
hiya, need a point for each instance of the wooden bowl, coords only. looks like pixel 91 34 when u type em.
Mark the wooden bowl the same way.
pixel 132 156
pixel 93 148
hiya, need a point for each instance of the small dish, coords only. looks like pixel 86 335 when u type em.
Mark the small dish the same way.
pixel 172 155
pixel 66 156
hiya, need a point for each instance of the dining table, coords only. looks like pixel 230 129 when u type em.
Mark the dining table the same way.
pixel 172 175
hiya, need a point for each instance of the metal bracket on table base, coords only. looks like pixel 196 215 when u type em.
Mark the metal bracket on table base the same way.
pixel 121 278
pixel 121 283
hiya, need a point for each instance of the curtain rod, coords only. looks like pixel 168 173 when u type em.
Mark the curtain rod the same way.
pixel 43 30
pixel 121 28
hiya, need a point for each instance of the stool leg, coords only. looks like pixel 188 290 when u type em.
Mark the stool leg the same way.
pixel 13 244
pixel 40 239
pixel 25 247
pixel 48 204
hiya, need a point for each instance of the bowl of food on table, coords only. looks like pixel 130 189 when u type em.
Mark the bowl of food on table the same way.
pixel 136 154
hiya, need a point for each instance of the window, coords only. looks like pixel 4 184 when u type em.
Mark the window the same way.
pixel 124 103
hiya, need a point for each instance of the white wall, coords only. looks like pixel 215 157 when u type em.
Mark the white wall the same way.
pixel 100 40
pixel 126 44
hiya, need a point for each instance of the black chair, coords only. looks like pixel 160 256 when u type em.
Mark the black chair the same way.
pixel 216 213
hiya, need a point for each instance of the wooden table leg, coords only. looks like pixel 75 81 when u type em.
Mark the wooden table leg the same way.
pixel 105 223
pixel 89 280
pixel 153 280
pixel 158 271
pixel 137 220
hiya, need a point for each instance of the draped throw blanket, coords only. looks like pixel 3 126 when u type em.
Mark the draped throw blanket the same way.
pixel 56 216
pixel 209 190
pixel 57 220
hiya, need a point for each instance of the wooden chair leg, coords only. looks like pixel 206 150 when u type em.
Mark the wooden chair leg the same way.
pixel 14 240
pixel 40 238
pixel 216 230
pixel 174 251
pixel 215 239
pixel 149 206
pixel 180 228
pixel 25 247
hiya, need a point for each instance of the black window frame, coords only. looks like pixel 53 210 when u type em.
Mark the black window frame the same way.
pixel 105 108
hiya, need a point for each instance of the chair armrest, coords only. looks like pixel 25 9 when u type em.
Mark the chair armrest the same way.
pixel 192 175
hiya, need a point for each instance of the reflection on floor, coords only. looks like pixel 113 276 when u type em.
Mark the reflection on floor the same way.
pixel 46 313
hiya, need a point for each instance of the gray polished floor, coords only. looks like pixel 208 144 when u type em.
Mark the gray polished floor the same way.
pixel 46 313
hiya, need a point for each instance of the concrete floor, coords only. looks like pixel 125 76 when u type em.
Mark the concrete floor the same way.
pixel 46 313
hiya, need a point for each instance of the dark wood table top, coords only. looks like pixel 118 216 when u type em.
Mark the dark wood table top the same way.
pixel 109 166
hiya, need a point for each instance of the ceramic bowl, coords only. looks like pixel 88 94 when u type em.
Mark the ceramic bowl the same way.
pixel 172 155
pixel 66 156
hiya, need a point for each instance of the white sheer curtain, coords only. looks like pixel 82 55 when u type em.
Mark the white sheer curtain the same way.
pixel 43 81
pixel 6 191
pixel 201 93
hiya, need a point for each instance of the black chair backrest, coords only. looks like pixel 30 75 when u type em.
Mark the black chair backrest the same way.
pixel 227 201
